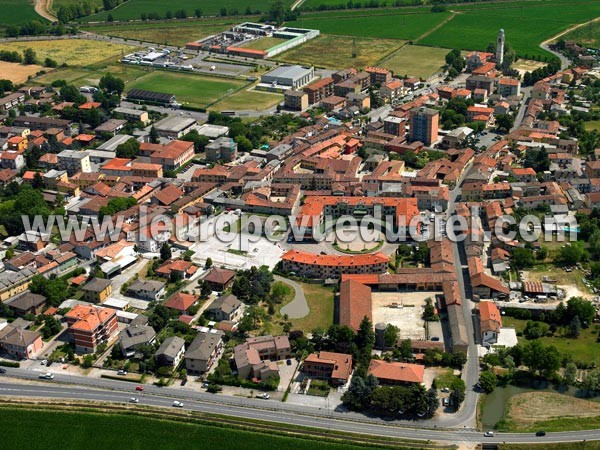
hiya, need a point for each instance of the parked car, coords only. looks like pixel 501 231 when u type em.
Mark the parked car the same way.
pixel 139 388
pixel 489 434
pixel 446 401
pixel 46 376
pixel 2 370
pixel 289 362
pixel 44 362
pixel 264 396
pixel 445 389
pixel 121 372
pixel 540 433
pixel 177 404
pixel 134 400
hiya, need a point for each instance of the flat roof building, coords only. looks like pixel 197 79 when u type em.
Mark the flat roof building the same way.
pixel 174 126
pixel 293 77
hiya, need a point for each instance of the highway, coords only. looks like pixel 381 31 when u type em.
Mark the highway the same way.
pixel 13 388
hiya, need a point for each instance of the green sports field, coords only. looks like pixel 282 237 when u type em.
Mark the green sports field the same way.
pixel 16 12
pixel 37 429
pixel 133 9
pixel 195 90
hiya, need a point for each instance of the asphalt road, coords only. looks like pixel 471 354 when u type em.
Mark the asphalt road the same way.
pixel 54 390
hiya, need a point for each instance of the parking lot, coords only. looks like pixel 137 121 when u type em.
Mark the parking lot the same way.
pixel 402 309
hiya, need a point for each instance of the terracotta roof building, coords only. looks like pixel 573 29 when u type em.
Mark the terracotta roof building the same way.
pixel 89 326
pixel 334 367
pixel 396 373
pixel 355 303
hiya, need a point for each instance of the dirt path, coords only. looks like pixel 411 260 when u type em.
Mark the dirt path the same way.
pixel 437 27
pixel 42 7
pixel 565 62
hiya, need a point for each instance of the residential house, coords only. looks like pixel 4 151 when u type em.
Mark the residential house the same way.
pixel 219 279
pixel 334 367
pixel 396 373
pixel 257 357
pixel 135 336
pixel 97 290
pixel 203 351
pixel 490 322
pixel 20 343
pixel 226 307
pixel 170 352
pixel 27 303
pixel 181 302
pixel 90 326
pixel 146 289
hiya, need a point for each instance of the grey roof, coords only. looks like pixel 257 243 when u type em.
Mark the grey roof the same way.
pixel 458 328
pixel 26 301
pixel 97 285
pixel 175 123
pixel 9 278
pixel 226 303
pixel 170 347
pixel 110 125
pixel 73 154
pixel 136 335
pixel 292 72
pixel 203 345
pixel 147 285
pixel 112 144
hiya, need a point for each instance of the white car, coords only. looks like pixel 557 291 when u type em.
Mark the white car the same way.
pixel 44 362
pixel 134 400
pixel 489 434
pixel 46 376
pixel 264 396
pixel 177 404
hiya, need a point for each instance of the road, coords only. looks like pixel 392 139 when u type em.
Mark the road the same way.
pixel 522 108
pixel 255 409
pixel 564 61
pixel 298 307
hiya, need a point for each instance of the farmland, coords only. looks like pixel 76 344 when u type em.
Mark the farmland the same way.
pixel 134 8
pixel 73 52
pixel 198 91
pixel 83 76
pixel 333 52
pixel 17 73
pixel 592 125
pixel 15 12
pixel 394 25
pixel 26 429
pixel 167 33
pixel 415 60
pixel 248 100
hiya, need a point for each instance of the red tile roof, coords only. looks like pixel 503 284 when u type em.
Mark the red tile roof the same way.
pixel 396 372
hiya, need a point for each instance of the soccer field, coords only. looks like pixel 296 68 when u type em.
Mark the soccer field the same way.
pixel 194 90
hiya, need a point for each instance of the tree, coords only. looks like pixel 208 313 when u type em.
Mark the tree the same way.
pixel 570 373
pixel 49 62
pixel 575 327
pixel 51 327
pixel 406 350
pixel 365 338
pixel 571 254
pixel 535 330
pixel 358 395
pixel 488 381
pixel 582 309
pixel 111 84
pixel 165 251
pixel 128 149
pixel 433 401
pixel 209 262
pixel 70 93
pixel 504 122
pixel 457 392
pixel 29 57
pixel 391 335
pixel 88 361
pixel 429 310
pixel 541 359
pixel 153 136
pixel 244 144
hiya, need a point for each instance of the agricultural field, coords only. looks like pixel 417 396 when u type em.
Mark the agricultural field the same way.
pixel 134 8
pixel 73 52
pixel 248 100
pixel 335 52
pixel 165 33
pixel 264 43
pixel 195 90
pixel 17 73
pixel 550 411
pixel 16 12
pixel 526 25
pixel 87 76
pixel 588 35
pixel 416 60
pixel 394 25
pixel 25 429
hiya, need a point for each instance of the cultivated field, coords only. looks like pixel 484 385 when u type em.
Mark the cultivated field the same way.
pixel 592 125
pixel 416 60
pixel 73 52
pixel 532 409
pixel 134 8
pixel 16 12
pixel 169 33
pixel 526 24
pixel 86 76
pixel 25 429
pixel 335 52
pixel 264 43
pixel 396 24
pixel 17 73
pixel 190 89
pixel 248 100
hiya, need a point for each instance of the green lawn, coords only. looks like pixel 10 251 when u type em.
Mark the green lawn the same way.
pixel 248 100
pixel 264 43
pixel 563 446
pixel 170 33
pixel 133 9
pixel 35 429
pixel 83 76
pixel 190 89
pixel 592 125
pixel 584 348
pixel 588 35
pixel 416 60
pixel 336 52
pixel 15 12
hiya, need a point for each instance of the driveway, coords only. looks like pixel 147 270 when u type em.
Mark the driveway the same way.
pixel 298 307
